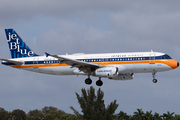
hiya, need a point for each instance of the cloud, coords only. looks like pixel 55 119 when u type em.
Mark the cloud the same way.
pixel 92 26
pixel 69 36
pixel 155 29
pixel 26 10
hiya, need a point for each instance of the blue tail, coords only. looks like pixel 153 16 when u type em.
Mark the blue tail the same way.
pixel 17 46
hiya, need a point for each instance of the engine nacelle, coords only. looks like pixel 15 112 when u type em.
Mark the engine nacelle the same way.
pixel 106 72
pixel 124 76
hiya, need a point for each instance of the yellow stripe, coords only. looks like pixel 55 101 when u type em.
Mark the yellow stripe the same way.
pixel 170 63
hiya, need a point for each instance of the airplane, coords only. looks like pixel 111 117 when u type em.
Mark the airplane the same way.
pixel 115 66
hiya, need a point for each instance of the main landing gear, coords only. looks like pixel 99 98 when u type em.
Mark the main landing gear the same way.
pixel 99 82
pixel 154 75
pixel 88 81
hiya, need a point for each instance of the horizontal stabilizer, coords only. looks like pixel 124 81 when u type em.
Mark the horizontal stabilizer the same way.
pixel 12 61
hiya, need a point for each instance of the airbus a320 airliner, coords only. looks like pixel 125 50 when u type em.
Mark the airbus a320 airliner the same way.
pixel 115 66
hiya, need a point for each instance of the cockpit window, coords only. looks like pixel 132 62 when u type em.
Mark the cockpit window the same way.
pixel 166 57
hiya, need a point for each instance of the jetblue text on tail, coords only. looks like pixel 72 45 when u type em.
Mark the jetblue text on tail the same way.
pixel 17 46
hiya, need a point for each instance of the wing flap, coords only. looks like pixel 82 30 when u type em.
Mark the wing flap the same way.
pixel 83 66
pixel 72 61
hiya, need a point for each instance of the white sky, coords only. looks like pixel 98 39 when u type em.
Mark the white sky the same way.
pixel 96 26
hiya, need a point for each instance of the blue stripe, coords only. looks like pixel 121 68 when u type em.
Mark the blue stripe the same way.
pixel 96 60
pixel 102 60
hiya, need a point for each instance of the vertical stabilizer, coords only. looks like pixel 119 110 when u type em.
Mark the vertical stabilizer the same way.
pixel 17 46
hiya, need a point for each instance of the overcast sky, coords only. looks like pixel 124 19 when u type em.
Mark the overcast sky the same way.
pixel 96 26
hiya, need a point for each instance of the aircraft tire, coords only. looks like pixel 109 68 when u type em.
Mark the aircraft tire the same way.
pixel 88 81
pixel 99 83
pixel 154 80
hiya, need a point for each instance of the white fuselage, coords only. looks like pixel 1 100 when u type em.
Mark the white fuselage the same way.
pixel 137 62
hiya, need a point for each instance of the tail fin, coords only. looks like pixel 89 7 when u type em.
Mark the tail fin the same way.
pixel 17 46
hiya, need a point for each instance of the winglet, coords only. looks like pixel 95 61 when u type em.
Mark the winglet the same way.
pixel 47 54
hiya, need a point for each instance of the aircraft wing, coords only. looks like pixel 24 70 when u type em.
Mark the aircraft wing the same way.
pixel 12 61
pixel 83 66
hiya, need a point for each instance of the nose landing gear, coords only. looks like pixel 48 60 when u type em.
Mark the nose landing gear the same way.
pixel 154 75
pixel 154 80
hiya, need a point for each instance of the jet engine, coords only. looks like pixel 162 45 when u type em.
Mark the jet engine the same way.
pixel 106 72
pixel 124 76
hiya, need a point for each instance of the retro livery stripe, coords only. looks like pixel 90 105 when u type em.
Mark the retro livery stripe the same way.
pixel 29 64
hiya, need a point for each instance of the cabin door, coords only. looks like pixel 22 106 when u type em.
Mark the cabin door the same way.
pixel 35 62
pixel 152 58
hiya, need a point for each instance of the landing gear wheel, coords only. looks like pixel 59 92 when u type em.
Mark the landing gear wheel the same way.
pixel 99 83
pixel 154 75
pixel 88 81
pixel 154 80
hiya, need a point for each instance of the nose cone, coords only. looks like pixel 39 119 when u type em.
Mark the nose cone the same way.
pixel 177 64
pixel 173 64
